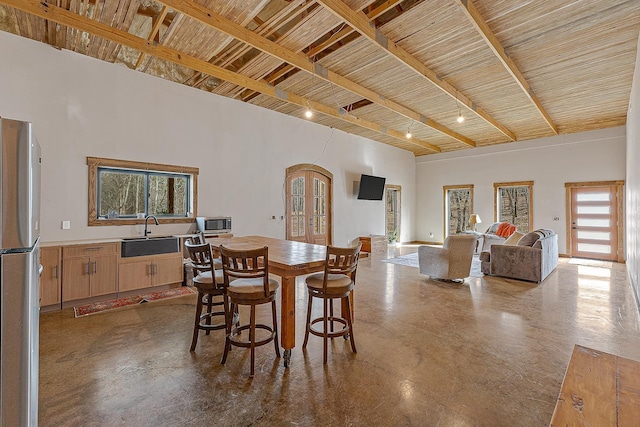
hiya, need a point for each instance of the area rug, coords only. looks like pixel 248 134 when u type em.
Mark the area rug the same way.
pixel 411 260
pixel 113 304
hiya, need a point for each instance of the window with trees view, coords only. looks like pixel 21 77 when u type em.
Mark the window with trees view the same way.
pixel 458 208
pixel 513 203
pixel 120 191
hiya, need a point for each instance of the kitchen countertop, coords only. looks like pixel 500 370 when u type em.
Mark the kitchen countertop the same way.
pixel 112 240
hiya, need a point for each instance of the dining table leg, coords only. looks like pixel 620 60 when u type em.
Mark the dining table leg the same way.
pixel 288 317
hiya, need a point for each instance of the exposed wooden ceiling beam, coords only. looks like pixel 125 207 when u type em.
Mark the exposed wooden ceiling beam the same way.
pixel 220 23
pixel 154 32
pixel 313 50
pixel 364 26
pixel 383 8
pixel 61 16
pixel 266 29
pixel 483 28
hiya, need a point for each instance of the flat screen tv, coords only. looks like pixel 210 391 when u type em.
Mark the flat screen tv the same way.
pixel 371 187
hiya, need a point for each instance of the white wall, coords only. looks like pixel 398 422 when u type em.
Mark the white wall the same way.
pixel 633 183
pixel 85 107
pixel 548 162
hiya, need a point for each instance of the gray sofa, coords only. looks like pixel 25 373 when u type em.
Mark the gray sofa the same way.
pixel 532 258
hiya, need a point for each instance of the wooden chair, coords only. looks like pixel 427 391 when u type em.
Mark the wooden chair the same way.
pixel 337 281
pixel 199 239
pixel 252 286
pixel 210 284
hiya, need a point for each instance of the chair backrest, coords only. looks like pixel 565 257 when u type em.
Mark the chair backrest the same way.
pixel 460 249
pixel 200 255
pixel 196 239
pixel 246 264
pixel 341 261
pixel 460 243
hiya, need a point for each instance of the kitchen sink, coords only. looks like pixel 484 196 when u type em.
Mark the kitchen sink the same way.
pixel 140 246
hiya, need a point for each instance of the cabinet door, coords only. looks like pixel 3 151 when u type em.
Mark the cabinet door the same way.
pixel 104 275
pixel 75 276
pixel 51 274
pixel 135 275
pixel 168 270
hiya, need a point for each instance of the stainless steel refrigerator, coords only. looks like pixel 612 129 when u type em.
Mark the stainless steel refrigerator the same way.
pixel 19 273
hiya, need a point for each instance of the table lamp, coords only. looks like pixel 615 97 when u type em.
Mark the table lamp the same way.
pixel 473 220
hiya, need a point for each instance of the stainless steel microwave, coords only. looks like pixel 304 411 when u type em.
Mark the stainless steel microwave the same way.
pixel 216 224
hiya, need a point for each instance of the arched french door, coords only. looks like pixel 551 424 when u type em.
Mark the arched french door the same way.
pixel 309 197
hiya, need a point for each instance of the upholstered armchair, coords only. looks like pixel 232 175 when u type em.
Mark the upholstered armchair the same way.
pixel 450 262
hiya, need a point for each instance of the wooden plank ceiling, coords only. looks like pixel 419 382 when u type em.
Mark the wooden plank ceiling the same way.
pixel 515 70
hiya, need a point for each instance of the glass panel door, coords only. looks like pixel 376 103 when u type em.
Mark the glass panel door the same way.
pixel 392 212
pixel 594 223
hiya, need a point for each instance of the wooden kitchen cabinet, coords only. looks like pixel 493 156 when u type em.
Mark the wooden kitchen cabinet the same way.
pixel 147 271
pixel 50 280
pixel 89 271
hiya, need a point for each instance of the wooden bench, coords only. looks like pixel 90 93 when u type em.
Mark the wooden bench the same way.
pixel 599 389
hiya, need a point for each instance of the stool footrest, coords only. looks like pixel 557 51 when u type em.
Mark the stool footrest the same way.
pixel 320 332
pixel 205 326
pixel 245 343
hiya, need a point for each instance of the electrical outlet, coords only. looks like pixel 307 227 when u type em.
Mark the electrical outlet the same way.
pixel 66 225
pixel 430 234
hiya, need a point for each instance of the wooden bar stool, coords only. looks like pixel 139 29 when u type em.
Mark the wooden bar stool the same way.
pixel 210 285
pixel 252 286
pixel 337 281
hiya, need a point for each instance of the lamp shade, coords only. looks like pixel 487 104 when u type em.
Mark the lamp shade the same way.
pixel 475 219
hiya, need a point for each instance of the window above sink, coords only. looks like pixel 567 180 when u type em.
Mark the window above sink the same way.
pixel 124 192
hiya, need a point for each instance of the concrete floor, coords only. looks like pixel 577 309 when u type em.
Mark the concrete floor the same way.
pixel 491 352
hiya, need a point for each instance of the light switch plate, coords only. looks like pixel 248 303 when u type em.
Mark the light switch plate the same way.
pixel 66 225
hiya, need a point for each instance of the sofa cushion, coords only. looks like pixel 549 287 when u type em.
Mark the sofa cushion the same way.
pixel 505 229
pixel 514 238
pixel 544 233
pixel 531 238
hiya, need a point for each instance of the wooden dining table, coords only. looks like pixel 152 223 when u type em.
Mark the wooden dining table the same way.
pixel 287 259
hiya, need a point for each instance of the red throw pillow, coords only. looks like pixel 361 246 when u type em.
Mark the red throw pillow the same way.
pixel 505 229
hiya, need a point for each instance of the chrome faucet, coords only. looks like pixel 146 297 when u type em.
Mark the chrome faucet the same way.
pixel 146 224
